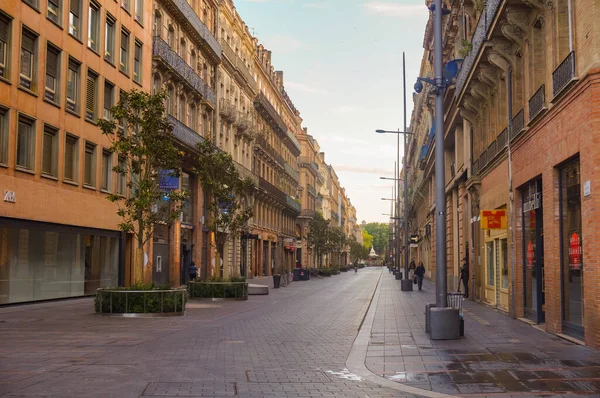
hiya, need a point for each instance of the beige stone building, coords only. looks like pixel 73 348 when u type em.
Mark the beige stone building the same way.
pixel 62 66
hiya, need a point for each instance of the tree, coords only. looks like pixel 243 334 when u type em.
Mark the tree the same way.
pixel 380 232
pixel 367 239
pixel 140 135
pixel 231 196
pixel 318 235
pixel 358 251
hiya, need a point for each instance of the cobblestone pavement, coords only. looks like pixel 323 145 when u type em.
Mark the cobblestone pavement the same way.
pixel 291 343
pixel 498 357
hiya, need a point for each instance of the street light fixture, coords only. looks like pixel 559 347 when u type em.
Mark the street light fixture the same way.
pixel 390 178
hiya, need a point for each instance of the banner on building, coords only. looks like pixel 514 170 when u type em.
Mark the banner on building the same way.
pixel 493 219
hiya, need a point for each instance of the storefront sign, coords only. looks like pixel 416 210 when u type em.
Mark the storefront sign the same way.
pixel 493 219
pixel 167 180
pixel 575 251
pixel 530 255
pixel 533 201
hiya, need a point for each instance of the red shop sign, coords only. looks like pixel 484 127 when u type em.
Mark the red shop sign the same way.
pixel 530 255
pixel 575 251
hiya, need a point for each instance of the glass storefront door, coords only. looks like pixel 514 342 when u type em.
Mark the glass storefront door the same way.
pixel 533 252
pixel 571 250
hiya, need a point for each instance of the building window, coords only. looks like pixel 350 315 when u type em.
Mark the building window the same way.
pixel 171 37
pixel 28 59
pixel 109 39
pixel 109 101
pixel 125 4
pixel 73 86
pixel 124 58
pixel 171 100
pixel 75 18
pixel 137 62
pixel 157 27
pixel 122 177
pixel 51 92
pixel 3 136
pixel 183 50
pixel 50 152
pixel 5 24
pixel 93 26
pixel 90 96
pixel 193 117
pixel 53 13
pixel 89 172
pixel 139 11
pixel 26 144
pixel 32 3
pixel 106 170
pixel 71 158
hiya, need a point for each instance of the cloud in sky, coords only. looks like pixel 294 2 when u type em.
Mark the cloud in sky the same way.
pixel 395 9
pixel 304 88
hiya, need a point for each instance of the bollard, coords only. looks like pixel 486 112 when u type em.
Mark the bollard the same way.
pixel 428 308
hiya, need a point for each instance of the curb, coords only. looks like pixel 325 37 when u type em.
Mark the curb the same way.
pixel 355 362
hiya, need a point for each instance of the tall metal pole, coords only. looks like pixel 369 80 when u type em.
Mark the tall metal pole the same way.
pixel 396 204
pixel 394 214
pixel 511 202
pixel 406 245
pixel 440 184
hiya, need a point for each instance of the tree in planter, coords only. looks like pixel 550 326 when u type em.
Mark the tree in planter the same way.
pixel 140 135
pixel 230 204
pixel 318 235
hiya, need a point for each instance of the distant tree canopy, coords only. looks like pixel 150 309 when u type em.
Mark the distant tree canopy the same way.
pixel 379 232
pixel 367 239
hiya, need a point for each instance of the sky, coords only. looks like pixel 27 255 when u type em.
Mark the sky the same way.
pixel 342 64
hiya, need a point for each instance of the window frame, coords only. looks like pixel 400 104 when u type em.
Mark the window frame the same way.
pixel 126 5
pixel 91 115
pixel 110 21
pixel 138 61
pixel 5 47
pixel 93 164
pixel 75 25
pixel 121 188
pixel 138 12
pixel 57 14
pixel 25 31
pixel 54 132
pixel 32 123
pixel 124 53
pixel 57 79
pixel 75 163
pixel 35 4
pixel 106 114
pixel 72 105
pixel 4 135
pixel 94 45
pixel 106 170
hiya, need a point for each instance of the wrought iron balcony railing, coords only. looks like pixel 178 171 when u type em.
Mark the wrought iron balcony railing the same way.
pixel 502 140
pixel 272 190
pixel 172 60
pixel 245 173
pixel 243 122
pixel 293 143
pixel 518 124
pixel 267 148
pixel 263 105
pixel 475 167
pixel 238 64
pixel 305 161
pixel 227 110
pixel 483 160
pixel 564 74
pixel 292 204
pixel 492 151
pixel 311 190
pixel 186 13
pixel 291 172
pixel 306 213
pixel 183 133
pixel 537 103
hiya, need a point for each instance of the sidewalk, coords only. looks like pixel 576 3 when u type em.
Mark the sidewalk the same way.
pixel 498 356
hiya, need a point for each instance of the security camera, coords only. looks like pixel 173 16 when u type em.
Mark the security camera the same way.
pixel 418 86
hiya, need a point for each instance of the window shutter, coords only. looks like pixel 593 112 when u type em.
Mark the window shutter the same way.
pixel 90 99
pixel 76 7
pixel 4 30
pixel 69 158
pixel 48 147
pixel 52 62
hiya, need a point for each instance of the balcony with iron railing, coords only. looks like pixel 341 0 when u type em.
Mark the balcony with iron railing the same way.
pixel 518 124
pixel 307 213
pixel 292 143
pixel 162 52
pixel 263 105
pixel 243 122
pixel 238 64
pixel 227 110
pixel 262 143
pixel 246 173
pixel 291 172
pixel 272 190
pixel 185 12
pixel 537 103
pixel 183 133
pixel 305 161
pixel 292 204
pixel 311 190
pixel 564 74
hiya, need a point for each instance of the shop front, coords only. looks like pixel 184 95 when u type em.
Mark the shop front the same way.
pixel 42 261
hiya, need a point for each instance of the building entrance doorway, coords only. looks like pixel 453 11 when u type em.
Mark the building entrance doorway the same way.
pixel 160 253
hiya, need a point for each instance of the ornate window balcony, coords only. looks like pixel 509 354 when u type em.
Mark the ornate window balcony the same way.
pixel 311 190
pixel 518 123
pixel 291 172
pixel 269 150
pixel 563 75
pixel 164 54
pixel 238 64
pixel 184 134
pixel 245 173
pixel 263 105
pixel 227 110
pixel 537 103
pixel 304 161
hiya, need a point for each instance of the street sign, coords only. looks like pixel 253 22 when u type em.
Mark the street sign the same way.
pixel 493 219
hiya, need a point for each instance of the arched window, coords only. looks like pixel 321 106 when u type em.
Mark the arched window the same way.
pixel 171 100
pixel 194 61
pixel 157 27
pixel 183 50
pixel 171 37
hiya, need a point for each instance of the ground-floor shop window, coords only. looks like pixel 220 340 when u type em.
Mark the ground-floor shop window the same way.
pixel 572 244
pixel 42 264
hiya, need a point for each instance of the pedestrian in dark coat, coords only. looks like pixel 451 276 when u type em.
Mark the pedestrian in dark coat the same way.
pixel 464 276
pixel 420 273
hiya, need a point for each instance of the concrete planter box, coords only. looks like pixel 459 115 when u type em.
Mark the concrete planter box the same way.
pixel 140 303
pixel 218 290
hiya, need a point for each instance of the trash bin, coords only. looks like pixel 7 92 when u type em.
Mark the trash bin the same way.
pixel 304 274
pixel 276 281
pixel 455 300
pixel 296 274
pixel 399 275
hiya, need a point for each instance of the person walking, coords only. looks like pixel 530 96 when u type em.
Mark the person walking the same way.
pixel 411 270
pixel 464 277
pixel 420 273
pixel 193 271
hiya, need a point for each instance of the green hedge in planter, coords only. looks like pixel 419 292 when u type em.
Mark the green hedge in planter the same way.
pixel 325 271
pixel 234 288
pixel 141 298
